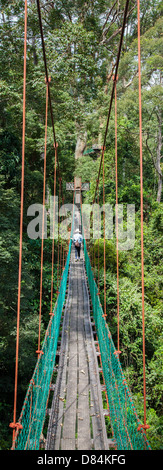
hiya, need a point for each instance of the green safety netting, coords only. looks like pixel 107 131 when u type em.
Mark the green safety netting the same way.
pixel 123 417
pixel 34 408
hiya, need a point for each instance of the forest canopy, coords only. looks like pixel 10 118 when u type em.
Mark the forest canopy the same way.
pixel 81 40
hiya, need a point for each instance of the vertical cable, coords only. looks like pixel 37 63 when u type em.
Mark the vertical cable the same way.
pixel 14 424
pixel 103 149
pixel 58 264
pixel 43 219
pixel 141 208
pixel 94 261
pixel 98 241
pixel 62 245
pixel 116 185
pixel 52 275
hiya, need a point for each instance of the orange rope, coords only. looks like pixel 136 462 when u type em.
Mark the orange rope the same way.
pixel 103 149
pixel 98 243
pixel 141 198
pixel 62 245
pixel 94 261
pixel 14 424
pixel 63 260
pixel 58 263
pixel 116 184
pixel 43 218
pixel 52 276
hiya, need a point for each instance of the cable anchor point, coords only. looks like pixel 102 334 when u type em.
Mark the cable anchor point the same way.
pixel 39 351
pixel 15 426
pixel 143 426
pixel 117 352
pixel 47 80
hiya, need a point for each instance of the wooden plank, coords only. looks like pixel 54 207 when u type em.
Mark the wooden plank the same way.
pixel 83 421
pixel 56 417
pixel 77 401
pixel 69 423
pixel 68 444
pixel 98 423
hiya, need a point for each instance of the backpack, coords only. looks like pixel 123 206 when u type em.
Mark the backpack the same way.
pixel 77 243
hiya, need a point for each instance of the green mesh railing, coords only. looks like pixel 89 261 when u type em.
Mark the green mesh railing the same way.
pixel 123 417
pixel 34 408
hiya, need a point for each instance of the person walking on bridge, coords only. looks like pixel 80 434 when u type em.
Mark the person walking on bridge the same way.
pixel 77 240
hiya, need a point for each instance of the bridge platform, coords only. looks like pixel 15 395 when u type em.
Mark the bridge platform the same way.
pixel 76 416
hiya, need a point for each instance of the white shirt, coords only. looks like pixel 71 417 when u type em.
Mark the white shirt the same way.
pixel 77 237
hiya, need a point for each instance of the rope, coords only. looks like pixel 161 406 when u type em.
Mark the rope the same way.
pixel 58 263
pixel 52 276
pixel 145 426
pixel 43 218
pixel 61 251
pixel 116 185
pixel 98 242
pixel 62 258
pixel 15 425
pixel 104 232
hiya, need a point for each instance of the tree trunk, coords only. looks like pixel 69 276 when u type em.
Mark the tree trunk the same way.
pixel 157 160
pixel 80 146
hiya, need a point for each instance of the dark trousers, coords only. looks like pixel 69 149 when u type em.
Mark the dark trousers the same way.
pixel 77 251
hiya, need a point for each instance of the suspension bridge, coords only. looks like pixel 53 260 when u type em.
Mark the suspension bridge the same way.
pixel 78 368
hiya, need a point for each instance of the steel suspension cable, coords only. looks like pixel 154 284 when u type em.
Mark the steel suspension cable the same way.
pixel 45 64
pixel 46 73
pixel 112 93
pixel 52 119
pixel 15 425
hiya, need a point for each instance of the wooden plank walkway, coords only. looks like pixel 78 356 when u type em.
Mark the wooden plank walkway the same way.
pixel 76 417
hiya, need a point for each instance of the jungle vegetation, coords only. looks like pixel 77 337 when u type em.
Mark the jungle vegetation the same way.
pixel 81 40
